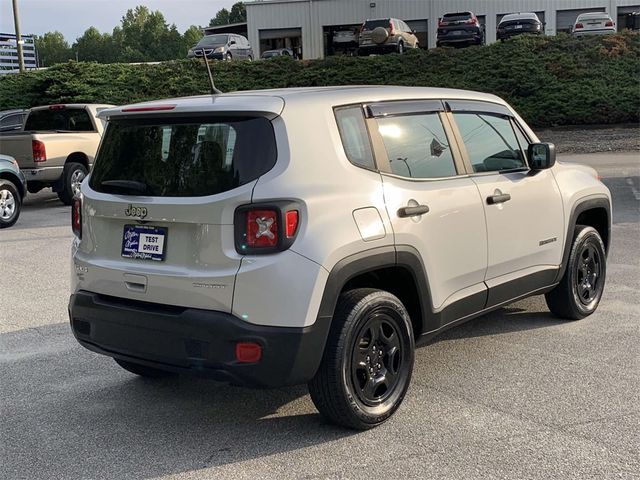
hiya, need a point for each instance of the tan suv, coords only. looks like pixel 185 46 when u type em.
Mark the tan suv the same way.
pixel 385 35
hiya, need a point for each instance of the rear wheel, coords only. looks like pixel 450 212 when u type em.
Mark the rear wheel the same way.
pixel 580 290
pixel 143 370
pixel 367 363
pixel 400 48
pixel 72 176
pixel 10 203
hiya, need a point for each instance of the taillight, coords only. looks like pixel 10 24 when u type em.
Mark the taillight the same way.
pixel 361 29
pixel 266 228
pixel 609 23
pixel 76 217
pixel 391 31
pixel 441 23
pixel 262 228
pixel 579 25
pixel 38 150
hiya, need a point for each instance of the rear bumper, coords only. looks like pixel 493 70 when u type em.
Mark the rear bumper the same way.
pixel 514 33
pixel 42 174
pixel 186 340
pixel 601 31
pixel 459 39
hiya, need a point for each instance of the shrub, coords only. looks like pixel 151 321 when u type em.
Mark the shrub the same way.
pixel 548 80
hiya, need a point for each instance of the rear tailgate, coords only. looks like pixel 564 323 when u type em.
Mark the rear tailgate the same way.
pixel 19 147
pixel 159 205
pixel 595 23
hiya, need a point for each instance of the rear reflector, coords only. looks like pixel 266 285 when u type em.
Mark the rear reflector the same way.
pixel 39 151
pixel 150 108
pixel 262 228
pixel 248 352
pixel 291 223
pixel 76 217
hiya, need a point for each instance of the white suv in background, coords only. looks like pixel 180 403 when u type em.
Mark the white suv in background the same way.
pixel 316 235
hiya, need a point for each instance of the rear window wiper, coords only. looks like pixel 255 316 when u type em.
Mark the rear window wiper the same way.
pixel 124 186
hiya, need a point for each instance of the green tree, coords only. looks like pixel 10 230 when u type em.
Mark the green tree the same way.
pixel 238 13
pixel 94 46
pixel 191 36
pixel 141 36
pixel 221 18
pixel 52 48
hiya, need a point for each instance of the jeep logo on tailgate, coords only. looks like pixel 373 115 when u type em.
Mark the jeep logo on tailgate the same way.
pixel 132 211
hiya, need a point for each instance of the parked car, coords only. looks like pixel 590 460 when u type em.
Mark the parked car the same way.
pixel 459 29
pixel 385 35
pixel 594 23
pixel 280 52
pixel 389 214
pixel 345 40
pixel 57 147
pixel 13 189
pixel 518 24
pixel 12 120
pixel 222 46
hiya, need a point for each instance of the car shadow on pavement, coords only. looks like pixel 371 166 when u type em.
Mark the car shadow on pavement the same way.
pixel 68 413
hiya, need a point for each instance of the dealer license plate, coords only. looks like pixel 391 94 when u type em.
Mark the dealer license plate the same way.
pixel 144 242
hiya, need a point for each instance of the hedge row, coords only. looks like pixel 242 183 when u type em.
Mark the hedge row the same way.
pixel 550 80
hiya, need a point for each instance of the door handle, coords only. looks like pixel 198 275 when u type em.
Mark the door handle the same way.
pixel 405 212
pixel 501 198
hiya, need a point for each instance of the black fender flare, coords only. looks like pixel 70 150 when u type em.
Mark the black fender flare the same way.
pixel 582 205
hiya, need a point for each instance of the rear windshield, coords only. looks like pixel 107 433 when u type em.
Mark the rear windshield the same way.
pixel 372 24
pixel 455 17
pixel 63 119
pixel 186 157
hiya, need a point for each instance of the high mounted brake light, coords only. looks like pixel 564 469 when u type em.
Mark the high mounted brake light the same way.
pixel 266 228
pixel 57 107
pixel 150 108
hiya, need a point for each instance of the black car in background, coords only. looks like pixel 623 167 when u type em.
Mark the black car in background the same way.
pixel 459 30
pixel 12 120
pixel 518 24
pixel 222 46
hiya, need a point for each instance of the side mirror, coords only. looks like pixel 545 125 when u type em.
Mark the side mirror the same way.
pixel 232 42
pixel 541 155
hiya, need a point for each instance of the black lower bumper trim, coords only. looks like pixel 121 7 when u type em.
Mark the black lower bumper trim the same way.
pixel 188 340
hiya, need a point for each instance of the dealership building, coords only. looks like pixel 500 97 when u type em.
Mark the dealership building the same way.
pixel 312 28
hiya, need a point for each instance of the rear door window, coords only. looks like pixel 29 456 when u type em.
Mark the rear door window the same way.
pixel 490 141
pixel 417 146
pixel 188 157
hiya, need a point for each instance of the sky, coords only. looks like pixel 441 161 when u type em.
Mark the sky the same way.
pixel 73 17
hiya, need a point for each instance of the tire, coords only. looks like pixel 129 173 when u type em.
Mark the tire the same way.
pixel 580 290
pixel 400 48
pixel 250 58
pixel 143 370
pixel 72 175
pixel 10 203
pixel 355 385
pixel 228 57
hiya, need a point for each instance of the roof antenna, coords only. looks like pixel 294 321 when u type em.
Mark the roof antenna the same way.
pixel 214 90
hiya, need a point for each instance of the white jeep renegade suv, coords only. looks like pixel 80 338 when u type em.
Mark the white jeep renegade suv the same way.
pixel 316 235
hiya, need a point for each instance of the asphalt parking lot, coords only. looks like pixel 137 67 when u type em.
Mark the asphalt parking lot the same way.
pixel 515 394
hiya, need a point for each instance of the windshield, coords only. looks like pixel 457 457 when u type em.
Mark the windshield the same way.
pixel 53 119
pixel 183 157
pixel 211 40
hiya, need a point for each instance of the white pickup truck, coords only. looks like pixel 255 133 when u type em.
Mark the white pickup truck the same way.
pixel 57 147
